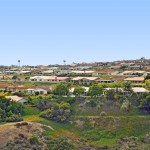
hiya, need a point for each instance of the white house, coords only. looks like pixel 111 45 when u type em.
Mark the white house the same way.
pixel 33 91
pixel 139 90
pixel 85 88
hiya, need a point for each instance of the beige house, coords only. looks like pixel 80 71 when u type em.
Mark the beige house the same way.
pixel 135 79
pixel 133 73
pixel 52 79
pixel 105 72
pixel 139 90
pixel 84 80
pixel 17 99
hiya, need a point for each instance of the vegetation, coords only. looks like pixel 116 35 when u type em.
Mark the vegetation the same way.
pixel 60 143
pixel 95 90
pixel 61 89
pixel 34 139
pixel 97 119
pixel 79 91
pixel 58 112
pixel 10 111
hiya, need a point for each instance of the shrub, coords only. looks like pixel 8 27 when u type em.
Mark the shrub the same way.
pixel 33 139
pixel 103 113
pixel 14 118
pixel 60 144
pixel 59 112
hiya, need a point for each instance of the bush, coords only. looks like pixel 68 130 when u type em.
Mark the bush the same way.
pixel 58 112
pixel 33 139
pixel 103 113
pixel 60 144
pixel 14 118
pixel 10 110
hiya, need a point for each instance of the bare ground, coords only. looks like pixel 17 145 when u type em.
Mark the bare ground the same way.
pixel 10 131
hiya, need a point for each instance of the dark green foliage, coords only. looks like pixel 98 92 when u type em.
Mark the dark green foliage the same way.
pixel 58 112
pixel 79 91
pixel 95 90
pixel 147 77
pixel 14 118
pixel 110 94
pixel 14 77
pixel 145 104
pixel 69 100
pixel 61 89
pixel 34 139
pixel 92 102
pixel 9 110
pixel 60 144
pixel 20 94
pixel 127 86
pixel 43 104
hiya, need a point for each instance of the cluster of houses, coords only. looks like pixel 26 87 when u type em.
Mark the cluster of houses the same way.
pixel 85 74
pixel 32 91
pixel 87 80
pixel 139 79
pixel 44 90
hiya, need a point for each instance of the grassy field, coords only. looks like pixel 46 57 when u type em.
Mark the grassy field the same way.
pixel 30 111
pixel 100 130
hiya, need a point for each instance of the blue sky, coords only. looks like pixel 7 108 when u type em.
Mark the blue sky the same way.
pixel 50 31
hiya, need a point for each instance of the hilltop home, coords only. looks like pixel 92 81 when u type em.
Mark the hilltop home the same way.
pixel 135 79
pixel 52 79
pixel 84 80
pixel 12 88
pixel 137 90
pixel 80 72
pixel 39 90
pixel 105 72
pixel 133 73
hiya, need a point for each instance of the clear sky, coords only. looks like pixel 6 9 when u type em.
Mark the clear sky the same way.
pixel 50 31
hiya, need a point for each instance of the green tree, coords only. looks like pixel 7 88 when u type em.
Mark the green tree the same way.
pixel 2 114
pixel 147 82
pixel 95 90
pixel 145 104
pixel 110 94
pixel 79 91
pixel 69 84
pixel 58 112
pixel 10 110
pixel 61 89
pixel 14 77
pixel 127 86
